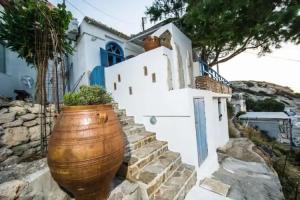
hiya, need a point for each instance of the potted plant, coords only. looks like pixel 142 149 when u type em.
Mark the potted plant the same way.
pixel 86 148
pixel 151 42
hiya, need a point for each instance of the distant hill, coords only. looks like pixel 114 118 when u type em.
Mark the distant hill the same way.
pixel 259 90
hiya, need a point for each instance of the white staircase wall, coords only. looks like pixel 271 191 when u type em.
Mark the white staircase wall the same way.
pixel 173 109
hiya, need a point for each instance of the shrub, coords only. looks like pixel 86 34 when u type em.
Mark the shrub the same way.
pixel 87 95
pixel 249 84
pixel 266 105
pixel 240 113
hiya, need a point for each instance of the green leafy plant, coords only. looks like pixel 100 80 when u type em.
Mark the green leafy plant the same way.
pixel 36 30
pixel 87 95
pixel 266 105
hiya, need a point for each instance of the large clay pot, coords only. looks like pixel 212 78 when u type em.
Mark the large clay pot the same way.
pixel 151 43
pixel 86 150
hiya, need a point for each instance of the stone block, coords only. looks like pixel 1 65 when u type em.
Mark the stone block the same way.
pixel 15 123
pixel 17 103
pixel 35 132
pixel 11 190
pixel 30 123
pixel 5 153
pixel 10 161
pixel 35 108
pixel 18 109
pixel 3 110
pixel 15 136
pixel 7 117
pixel 20 149
pixel 28 117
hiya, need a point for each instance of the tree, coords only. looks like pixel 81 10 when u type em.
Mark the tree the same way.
pixel 165 8
pixel 220 30
pixel 37 32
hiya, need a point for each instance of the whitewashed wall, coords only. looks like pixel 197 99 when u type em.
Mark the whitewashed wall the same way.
pixel 173 109
pixel 15 69
pixel 182 56
pixel 87 50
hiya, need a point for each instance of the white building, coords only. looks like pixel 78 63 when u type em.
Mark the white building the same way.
pixel 160 87
pixel 12 70
pixel 276 125
pixel 16 74
pixel 238 103
pixel 157 87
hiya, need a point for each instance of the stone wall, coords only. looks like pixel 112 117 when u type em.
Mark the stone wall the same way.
pixel 20 130
pixel 207 83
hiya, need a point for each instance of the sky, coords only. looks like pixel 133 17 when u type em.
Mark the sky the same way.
pixel 282 66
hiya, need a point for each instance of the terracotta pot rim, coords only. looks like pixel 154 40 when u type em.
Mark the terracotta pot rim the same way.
pixel 86 107
pixel 150 38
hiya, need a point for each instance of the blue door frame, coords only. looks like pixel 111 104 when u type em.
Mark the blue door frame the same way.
pixel 200 123
pixel 97 76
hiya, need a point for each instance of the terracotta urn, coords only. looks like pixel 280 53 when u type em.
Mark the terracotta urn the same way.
pixel 86 150
pixel 151 43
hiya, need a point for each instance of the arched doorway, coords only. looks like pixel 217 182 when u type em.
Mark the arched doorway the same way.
pixel 115 53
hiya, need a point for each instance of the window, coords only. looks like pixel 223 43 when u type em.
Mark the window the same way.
pixel 130 90
pixel 119 78
pixel 115 86
pixel 220 109
pixel 2 58
pixel 153 78
pixel 145 71
pixel 115 53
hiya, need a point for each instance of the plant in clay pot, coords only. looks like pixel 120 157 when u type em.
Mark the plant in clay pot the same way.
pixel 151 42
pixel 86 148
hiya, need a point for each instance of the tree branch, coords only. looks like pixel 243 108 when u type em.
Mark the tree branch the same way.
pixel 235 53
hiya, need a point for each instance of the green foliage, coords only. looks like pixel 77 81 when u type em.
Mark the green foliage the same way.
pixel 165 8
pixel 24 22
pixel 220 29
pixel 249 84
pixel 87 95
pixel 37 32
pixel 240 113
pixel 266 105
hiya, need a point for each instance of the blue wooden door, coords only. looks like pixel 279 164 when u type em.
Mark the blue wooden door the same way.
pixel 97 76
pixel 200 123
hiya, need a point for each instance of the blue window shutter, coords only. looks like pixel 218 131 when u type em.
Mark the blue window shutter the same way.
pixel 97 76
pixel 103 57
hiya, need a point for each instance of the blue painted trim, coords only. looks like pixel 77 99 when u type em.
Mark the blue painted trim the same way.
pixel 116 44
pixel 208 71
pixel 97 76
pixel 200 124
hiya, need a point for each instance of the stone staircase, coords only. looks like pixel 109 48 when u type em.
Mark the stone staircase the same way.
pixel 158 171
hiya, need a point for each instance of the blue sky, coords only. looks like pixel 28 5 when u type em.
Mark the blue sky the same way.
pixel 281 67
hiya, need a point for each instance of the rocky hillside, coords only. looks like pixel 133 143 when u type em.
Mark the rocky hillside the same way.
pixel 258 90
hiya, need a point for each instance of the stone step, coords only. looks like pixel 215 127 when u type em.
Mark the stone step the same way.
pixel 154 174
pixel 133 129
pixel 178 185
pixel 135 141
pixel 127 120
pixel 121 112
pixel 137 159
pixel 115 105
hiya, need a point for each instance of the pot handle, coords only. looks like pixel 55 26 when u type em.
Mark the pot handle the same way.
pixel 102 118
